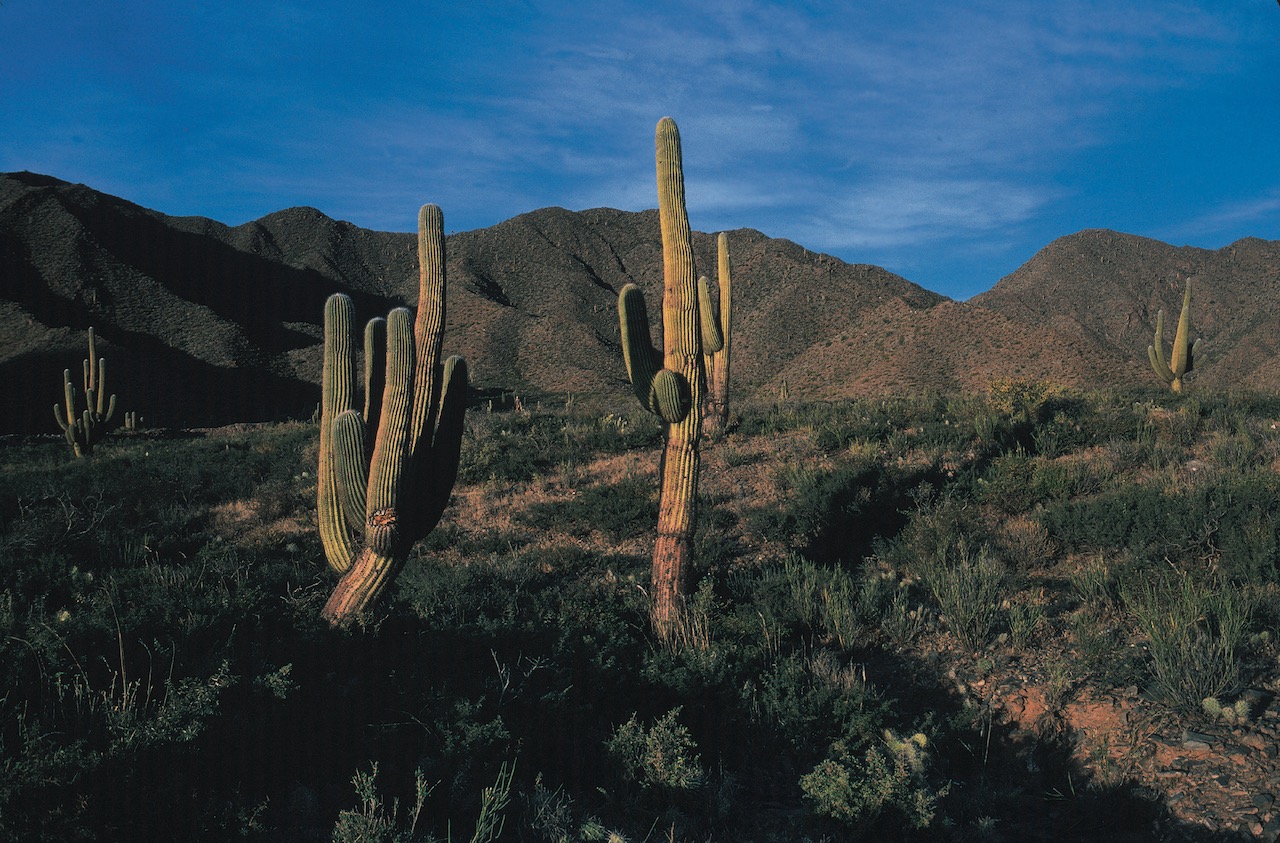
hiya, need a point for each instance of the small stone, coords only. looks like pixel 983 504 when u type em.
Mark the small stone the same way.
pixel 1271 830
pixel 1263 801
pixel 1254 742
pixel 1196 740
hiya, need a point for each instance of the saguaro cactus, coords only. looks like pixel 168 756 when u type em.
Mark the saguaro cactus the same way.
pixel 715 417
pixel 84 429
pixel 671 385
pixel 1184 351
pixel 385 475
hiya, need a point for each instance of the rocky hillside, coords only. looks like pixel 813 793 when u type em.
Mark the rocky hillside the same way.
pixel 206 324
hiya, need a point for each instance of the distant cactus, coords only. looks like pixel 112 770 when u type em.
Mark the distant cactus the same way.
pixel 715 418
pixel 1184 351
pixel 671 385
pixel 132 421
pixel 387 474
pixel 84 429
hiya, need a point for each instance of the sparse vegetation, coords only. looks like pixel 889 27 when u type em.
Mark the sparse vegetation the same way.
pixel 868 612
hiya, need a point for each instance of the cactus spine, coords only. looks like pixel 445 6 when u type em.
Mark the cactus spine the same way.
pixel 715 419
pixel 84 429
pixel 1184 351
pixel 671 386
pixel 386 474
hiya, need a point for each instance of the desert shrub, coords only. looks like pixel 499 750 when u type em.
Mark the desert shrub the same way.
pixel 887 777
pixel 1023 398
pixel 836 604
pixel 1232 521
pixel 1196 634
pixel 662 756
pixel 970 589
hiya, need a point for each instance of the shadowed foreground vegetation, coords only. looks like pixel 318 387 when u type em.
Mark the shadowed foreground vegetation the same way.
pixel 864 571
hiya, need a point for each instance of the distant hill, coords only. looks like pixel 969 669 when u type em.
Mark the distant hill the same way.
pixel 205 324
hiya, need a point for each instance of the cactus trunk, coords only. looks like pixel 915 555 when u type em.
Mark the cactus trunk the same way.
pixel 672 385
pixel 682 354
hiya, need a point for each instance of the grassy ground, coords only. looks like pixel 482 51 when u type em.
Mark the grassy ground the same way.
pixel 879 582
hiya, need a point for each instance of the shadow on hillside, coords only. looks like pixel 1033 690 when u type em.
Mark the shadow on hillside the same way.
pixel 239 305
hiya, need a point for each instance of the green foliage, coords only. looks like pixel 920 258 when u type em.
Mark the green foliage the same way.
pixel 662 756
pixel 1197 632
pixel 1231 519
pixel 889 776
pixel 970 589
pixel 158 629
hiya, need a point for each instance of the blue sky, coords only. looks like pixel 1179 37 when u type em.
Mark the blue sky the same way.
pixel 945 141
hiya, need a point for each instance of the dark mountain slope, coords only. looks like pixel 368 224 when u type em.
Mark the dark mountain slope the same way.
pixel 207 324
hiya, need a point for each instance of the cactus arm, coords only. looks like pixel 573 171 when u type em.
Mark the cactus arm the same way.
pixel 712 338
pixel 111 408
pixel 389 463
pixel 716 417
pixel 446 447
pixel 68 418
pixel 429 325
pixel 1155 351
pixel 660 390
pixel 350 464
pixel 375 370
pixel 90 379
pixel 1181 356
pixel 337 384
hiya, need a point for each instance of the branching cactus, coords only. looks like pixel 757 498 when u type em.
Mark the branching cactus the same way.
pixel 84 429
pixel 671 385
pixel 1184 351
pixel 385 475
pixel 715 417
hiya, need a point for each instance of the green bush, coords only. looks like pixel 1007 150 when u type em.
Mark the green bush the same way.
pixel 970 590
pixel 888 776
pixel 662 756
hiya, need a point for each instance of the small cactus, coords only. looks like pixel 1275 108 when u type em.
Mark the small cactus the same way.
pixel 386 474
pixel 1184 351
pixel 672 385
pixel 84 429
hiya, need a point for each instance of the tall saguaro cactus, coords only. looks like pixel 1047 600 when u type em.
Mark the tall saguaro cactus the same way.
pixel 1184 351
pixel 671 385
pixel 715 418
pixel 84 429
pixel 385 475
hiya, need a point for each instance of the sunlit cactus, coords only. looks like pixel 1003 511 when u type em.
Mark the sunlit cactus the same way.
pixel 1184 351
pixel 385 475
pixel 672 384
pixel 85 428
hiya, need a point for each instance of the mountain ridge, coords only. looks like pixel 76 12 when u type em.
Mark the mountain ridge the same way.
pixel 205 324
